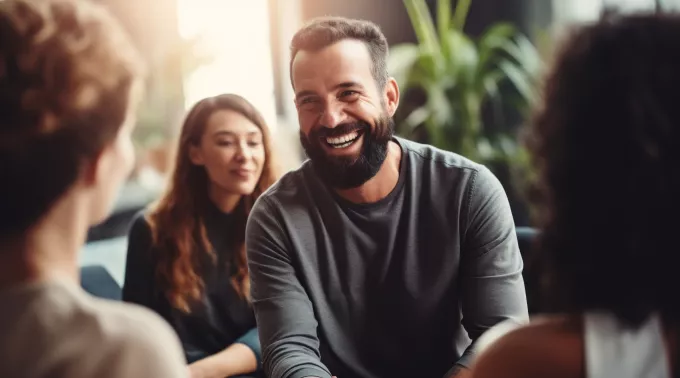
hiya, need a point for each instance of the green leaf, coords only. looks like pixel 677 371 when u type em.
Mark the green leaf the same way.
pixel 424 71
pixel 422 23
pixel 485 150
pixel 490 85
pixel 464 56
pixel 437 135
pixel 443 25
pixel 490 88
pixel 401 61
pixel 417 117
pixel 440 105
pixel 492 42
pixel 519 78
pixel 460 14
pixel 508 145
pixel 528 57
pixel 443 17
pixel 501 30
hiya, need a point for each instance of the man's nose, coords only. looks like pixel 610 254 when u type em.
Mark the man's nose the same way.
pixel 332 116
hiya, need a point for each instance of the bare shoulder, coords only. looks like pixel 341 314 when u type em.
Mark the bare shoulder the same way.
pixel 548 347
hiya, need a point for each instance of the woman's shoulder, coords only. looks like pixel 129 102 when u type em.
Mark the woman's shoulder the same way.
pixel 135 335
pixel 550 346
pixel 140 221
pixel 140 226
pixel 140 235
pixel 77 328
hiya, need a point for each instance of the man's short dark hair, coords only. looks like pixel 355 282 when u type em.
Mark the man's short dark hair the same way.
pixel 325 31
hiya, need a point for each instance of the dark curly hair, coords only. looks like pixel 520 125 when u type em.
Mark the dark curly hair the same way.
pixel 606 143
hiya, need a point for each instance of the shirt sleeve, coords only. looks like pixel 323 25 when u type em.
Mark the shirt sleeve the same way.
pixel 252 341
pixel 491 265
pixel 285 316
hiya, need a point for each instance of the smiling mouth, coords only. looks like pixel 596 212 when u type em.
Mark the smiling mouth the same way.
pixel 343 141
pixel 242 172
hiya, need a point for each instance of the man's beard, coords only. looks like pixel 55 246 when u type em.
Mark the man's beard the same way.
pixel 345 172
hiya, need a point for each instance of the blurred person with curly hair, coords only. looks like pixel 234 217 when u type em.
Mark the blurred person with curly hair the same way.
pixel 606 143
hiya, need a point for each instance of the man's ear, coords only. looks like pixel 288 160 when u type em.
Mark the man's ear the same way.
pixel 391 94
pixel 195 155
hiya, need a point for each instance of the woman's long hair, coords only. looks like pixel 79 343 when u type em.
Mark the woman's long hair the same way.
pixel 177 220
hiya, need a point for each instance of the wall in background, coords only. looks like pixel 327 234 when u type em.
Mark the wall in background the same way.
pixel 391 15
pixel 571 11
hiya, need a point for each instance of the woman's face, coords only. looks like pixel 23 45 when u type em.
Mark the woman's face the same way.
pixel 232 152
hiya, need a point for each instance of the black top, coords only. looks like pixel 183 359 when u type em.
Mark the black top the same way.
pixel 395 288
pixel 223 317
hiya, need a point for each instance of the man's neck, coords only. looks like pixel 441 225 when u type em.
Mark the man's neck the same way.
pixel 380 185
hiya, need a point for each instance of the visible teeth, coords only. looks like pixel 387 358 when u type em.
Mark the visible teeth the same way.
pixel 343 140
pixel 343 145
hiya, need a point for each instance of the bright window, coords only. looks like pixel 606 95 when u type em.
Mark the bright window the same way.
pixel 237 34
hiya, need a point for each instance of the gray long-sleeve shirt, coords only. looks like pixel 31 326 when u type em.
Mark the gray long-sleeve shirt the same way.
pixel 396 288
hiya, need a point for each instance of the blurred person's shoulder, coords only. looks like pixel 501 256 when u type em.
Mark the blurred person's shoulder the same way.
pixel 59 330
pixel 550 346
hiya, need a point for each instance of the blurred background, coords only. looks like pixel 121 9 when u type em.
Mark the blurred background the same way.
pixel 468 70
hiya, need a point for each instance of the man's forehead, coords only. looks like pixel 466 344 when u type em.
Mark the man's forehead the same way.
pixel 346 57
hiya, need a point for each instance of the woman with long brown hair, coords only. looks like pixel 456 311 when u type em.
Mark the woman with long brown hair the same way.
pixel 186 256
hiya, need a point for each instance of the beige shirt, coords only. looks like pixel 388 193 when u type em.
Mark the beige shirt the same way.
pixel 55 329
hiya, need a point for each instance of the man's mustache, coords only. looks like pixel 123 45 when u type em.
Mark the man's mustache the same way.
pixel 342 129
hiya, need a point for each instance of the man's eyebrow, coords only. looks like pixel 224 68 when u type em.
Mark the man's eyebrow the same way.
pixel 348 84
pixel 304 93
pixel 344 84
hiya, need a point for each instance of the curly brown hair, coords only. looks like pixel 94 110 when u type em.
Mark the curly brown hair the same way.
pixel 606 143
pixel 68 76
pixel 177 219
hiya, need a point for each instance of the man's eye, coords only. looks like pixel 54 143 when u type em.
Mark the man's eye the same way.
pixel 348 93
pixel 224 143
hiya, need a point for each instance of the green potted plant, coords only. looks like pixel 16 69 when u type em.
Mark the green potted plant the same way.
pixel 466 84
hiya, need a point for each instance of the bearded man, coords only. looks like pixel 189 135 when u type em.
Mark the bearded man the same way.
pixel 379 257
